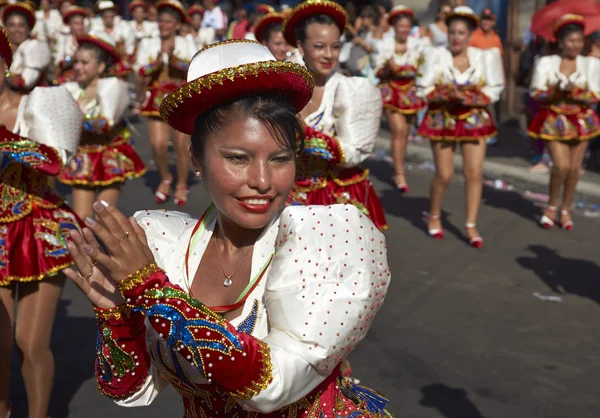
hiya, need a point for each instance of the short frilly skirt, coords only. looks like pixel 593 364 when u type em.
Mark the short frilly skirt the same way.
pixel 401 96
pixel 565 122
pixel 155 95
pixel 347 186
pixel 457 124
pixel 34 247
pixel 99 165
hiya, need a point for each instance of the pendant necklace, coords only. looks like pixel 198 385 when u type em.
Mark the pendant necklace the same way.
pixel 228 282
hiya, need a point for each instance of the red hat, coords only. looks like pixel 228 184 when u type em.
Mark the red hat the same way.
pixel 173 5
pixel 231 70
pixel 568 19
pixel 105 44
pixel 195 9
pixel 263 9
pixel 5 48
pixel 264 22
pixel 59 3
pixel 466 13
pixel 74 11
pixel 400 11
pixel 20 7
pixel 136 3
pixel 313 8
pixel 487 14
pixel 104 5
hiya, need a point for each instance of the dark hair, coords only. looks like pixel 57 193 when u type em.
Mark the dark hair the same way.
pixel 403 16
pixel 275 112
pixel 269 30
pixel 169 11
pixel 20 13
pixel 303 25
pixel 102 56
pixel 467 21
pixel 567 30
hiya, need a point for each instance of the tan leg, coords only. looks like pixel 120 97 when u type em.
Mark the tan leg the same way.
pixel 576 156
pixel 7 307
pixel 83 199
pixel 400 127
pixel 159 140
pixel 110 194
pixel 36 311
pixel 182 153
pixel 473 156
pixel 443 154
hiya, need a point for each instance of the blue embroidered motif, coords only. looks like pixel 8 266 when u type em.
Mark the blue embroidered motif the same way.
pixel 247 325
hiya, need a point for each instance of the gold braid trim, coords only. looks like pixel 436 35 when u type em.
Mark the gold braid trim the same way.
pixel 312 3
pixel 266 375
pixel 117 312
pixel 137 278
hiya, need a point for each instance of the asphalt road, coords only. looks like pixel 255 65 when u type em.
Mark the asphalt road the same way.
pixel 461 334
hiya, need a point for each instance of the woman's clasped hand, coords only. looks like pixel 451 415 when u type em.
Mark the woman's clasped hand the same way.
pixel 99 273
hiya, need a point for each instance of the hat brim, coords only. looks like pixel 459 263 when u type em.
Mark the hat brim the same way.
pixel 405 12
pixel 134 4
pixel 20 7
pixel 308 9
pixel 569 21
pixel 70 13
pixel 474 19
pixel 181 108
pixel 90 39
pixel 161 5
pixel 264 22
pixel 195 10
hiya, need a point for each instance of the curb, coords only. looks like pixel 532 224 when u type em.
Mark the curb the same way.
pixel 491 169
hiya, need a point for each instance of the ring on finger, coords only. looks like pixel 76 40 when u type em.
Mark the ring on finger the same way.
pixel 124 237
pixel 93 264
pixel 87 276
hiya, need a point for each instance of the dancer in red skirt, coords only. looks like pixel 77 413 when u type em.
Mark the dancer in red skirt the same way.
pixel 459 83
pixel 397 67
pixel 342 119
pixel 566 86
pixel 162 64
pixel 105 158
pixel 37 134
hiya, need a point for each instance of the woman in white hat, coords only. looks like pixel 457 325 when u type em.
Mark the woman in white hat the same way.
pixel 249 310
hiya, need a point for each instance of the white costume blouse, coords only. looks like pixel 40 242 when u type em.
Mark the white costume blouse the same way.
pixel 308 276
pixel 110 104
pixel 149 50
pixel 65 48
pixel 350 111
pixel 547 74
pixel 485 70
pixel 121 35
pixel 205 37
pixel 147 30
pixel 46 29
pixel 30 61
pixel 414 55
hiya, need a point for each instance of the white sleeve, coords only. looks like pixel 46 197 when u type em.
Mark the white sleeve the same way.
pixel 357 107
pixel 494 73
pixel 143 57
pixel 593 74
pixel 383 51
pixel 539 80
pixel 113 97
pixel 53 118
pixel 36 58
pixel 428 73
pixel 320 301
pixel 128 37
pixel 59 54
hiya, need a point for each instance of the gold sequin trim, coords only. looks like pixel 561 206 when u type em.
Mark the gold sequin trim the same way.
pixel 231 41
pixel 117 312
pixel 137 278
pixel 179 96
pixel 266 375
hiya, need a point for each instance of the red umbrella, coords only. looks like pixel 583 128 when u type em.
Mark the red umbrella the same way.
pixel 543 20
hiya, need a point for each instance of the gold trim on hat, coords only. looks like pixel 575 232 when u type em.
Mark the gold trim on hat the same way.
pixel 312 3
pixel 208 81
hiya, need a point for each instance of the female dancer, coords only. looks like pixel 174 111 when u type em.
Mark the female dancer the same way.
pixel 272 322
pixel 67 44
pixel 32 57
pixel 202 36
pixel 37 134
pixel 105 157
pixel 267 31
pixel 342 118
pixel 398 64
pixel 161 64
pixel 567 86
pixel 459 82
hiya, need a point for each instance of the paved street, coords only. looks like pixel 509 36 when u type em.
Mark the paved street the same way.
pixel 461 334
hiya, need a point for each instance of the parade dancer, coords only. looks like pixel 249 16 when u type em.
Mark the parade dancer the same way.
pixel 567 86
pixel 341 120
pixel 32 57
pixel 37 135
pixel 398 62
pixel 66 44
pixel 267 31
pixel 105 158
pixel 240 320
pixel 139 26
pixel 459 83
pixel 161 64
pixel 203 37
